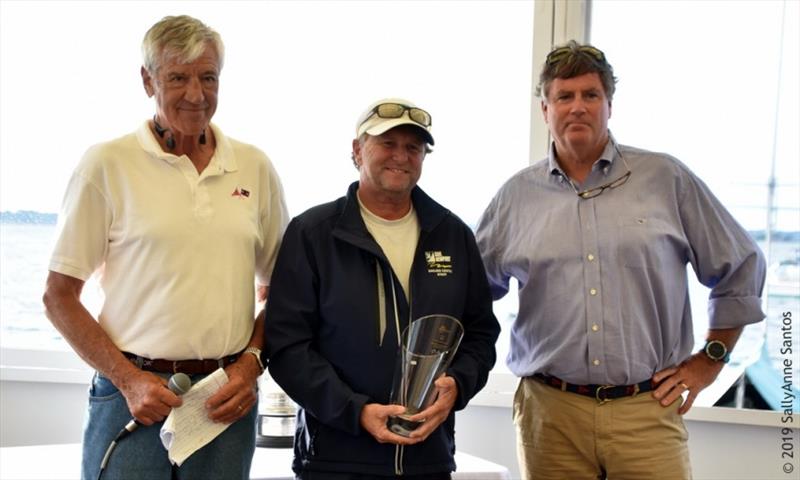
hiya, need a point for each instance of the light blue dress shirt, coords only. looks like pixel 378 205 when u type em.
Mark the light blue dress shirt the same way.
pixel 603 288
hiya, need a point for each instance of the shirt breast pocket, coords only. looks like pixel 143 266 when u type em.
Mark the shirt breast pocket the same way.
pixel 645 242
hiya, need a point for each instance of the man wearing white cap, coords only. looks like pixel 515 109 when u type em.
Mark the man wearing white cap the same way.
pixel 350 276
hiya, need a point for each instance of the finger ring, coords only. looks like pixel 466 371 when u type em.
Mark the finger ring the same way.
pixel 239 408
pixel 685 387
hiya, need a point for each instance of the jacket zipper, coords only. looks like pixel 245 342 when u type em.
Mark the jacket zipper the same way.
pixel 398 460
pixel 399 449
pixel 381 302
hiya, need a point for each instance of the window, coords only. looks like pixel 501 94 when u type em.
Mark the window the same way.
pixel 294 83
pixel 715 84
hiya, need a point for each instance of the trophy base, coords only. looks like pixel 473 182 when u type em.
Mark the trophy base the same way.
pixel 275 430
pixel 274 442
pixel 402 426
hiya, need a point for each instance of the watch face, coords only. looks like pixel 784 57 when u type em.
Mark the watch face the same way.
pixel 716 350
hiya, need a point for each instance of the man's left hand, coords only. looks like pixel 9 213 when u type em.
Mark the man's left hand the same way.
pixel 693 375
pixel 433 416
pixel 239 395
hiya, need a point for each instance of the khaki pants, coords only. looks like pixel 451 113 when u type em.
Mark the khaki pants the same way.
pixel 562 435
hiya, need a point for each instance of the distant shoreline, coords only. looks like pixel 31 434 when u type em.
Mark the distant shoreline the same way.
pixel 28 217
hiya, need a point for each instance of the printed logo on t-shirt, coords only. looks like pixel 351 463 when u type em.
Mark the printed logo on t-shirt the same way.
pixel 438 263
pixel 240 192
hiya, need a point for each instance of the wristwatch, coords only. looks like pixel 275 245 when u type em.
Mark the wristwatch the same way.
pixel 717 351
pixel 256 353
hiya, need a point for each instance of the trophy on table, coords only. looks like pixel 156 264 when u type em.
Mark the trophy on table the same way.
pixel 276 416
pixel 428 346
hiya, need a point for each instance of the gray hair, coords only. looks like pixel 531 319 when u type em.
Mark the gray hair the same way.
pixel 183 38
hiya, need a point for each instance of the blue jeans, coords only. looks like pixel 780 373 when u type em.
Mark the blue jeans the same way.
pixel 141 456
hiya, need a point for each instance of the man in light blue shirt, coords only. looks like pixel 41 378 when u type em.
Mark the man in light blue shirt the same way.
pixel 598 235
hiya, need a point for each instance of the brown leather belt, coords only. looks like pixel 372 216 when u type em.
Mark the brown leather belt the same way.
pixel 190 367
pixel 601 393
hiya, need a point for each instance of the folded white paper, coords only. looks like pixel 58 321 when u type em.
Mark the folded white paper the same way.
pixel 188 428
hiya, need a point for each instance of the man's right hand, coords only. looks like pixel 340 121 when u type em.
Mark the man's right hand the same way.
pixel 373 419
pixel 148 397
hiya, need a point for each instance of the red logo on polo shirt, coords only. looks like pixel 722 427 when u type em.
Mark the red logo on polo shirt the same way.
pixel 240 192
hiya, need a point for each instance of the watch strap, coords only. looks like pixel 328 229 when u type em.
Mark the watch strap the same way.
pixel 256 352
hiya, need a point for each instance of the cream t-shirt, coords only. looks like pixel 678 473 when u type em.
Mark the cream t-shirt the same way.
pixel 398 240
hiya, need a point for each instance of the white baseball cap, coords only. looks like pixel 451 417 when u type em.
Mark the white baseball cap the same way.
pixel 384 115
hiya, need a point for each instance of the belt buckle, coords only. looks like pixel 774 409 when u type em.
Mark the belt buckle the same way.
pixel 635 390
pixel 597 394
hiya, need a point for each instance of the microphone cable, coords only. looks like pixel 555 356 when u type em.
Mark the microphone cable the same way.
pixel 179 384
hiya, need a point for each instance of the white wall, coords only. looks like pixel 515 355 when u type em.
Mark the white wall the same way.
pixel 488 432
pixel 734 452
pixel 722 443
pixel 34 413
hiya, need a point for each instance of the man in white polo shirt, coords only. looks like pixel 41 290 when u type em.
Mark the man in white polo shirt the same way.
pixel 179 220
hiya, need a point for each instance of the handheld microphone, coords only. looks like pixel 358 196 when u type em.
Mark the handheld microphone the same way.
pixel 178 384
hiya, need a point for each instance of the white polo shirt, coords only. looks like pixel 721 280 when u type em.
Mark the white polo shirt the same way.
pixel 177 251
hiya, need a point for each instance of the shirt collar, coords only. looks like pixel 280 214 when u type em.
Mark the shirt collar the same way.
pixel 606 160
pixel 223 155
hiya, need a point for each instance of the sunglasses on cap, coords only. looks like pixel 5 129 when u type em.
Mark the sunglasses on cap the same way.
pixel 396 110
pixel 563 52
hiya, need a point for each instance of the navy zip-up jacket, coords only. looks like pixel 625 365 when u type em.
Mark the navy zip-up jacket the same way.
pixel 322 331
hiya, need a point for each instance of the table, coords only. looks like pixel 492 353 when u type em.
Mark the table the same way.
pixel 63 462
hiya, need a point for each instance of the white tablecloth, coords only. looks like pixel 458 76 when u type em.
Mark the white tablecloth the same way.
pixel 63 462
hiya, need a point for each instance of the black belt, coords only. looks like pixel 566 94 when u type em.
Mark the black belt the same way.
pixel 601 393
pixel 190 367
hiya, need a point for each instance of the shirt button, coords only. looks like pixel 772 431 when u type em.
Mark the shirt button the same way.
pixel 590 257
pixel 595 362
pixel 595 327
pixel 592 291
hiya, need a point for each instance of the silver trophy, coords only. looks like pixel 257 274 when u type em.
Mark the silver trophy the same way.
pixel 276 416
pixel 428 346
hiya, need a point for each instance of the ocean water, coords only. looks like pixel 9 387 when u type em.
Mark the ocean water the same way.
pixel 24 256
